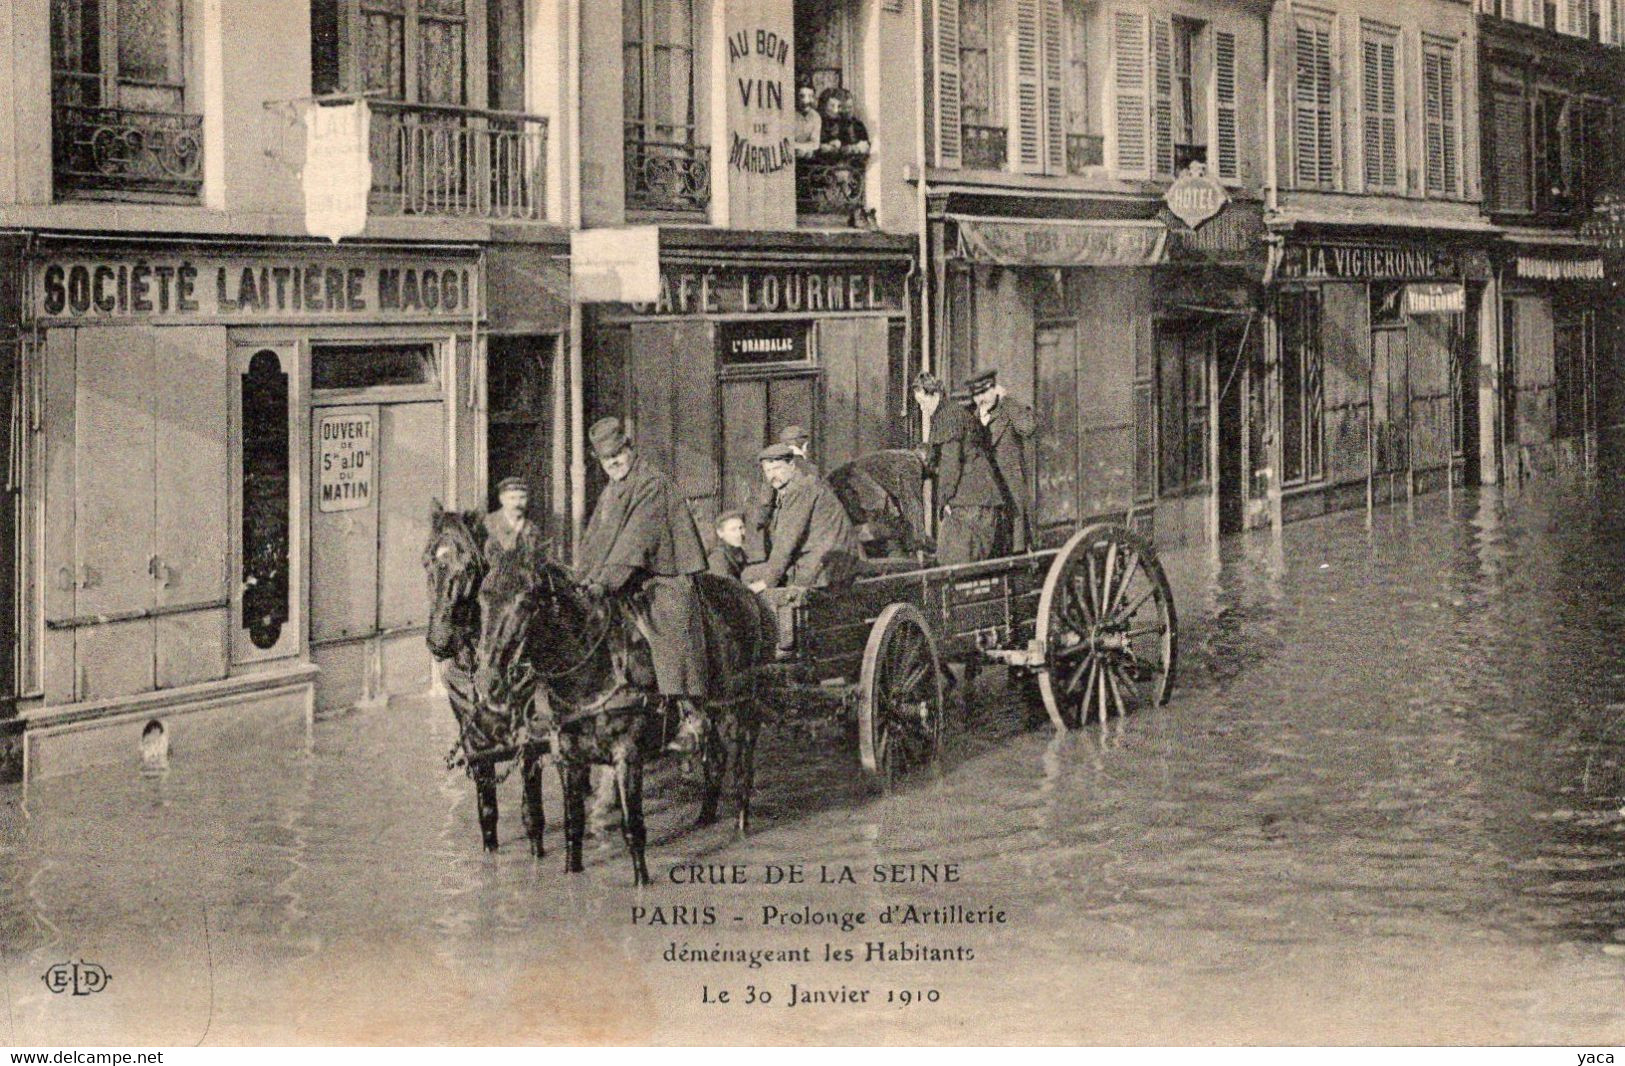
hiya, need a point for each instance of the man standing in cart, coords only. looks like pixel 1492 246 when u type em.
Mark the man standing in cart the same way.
pixel 641 546
pixel 1009 426
pixel 813 542
pixel 759 511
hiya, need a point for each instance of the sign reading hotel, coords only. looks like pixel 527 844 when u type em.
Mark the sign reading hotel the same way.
pixel 1194 197
pixel 768 290
pixel 337 175
pixel 1362 262
pixel 253 289
pixel 344 462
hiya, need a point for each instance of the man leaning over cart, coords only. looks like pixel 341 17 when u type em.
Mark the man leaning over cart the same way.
pixel 812 540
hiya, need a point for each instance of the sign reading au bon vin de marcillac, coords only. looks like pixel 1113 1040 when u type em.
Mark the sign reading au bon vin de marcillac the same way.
pixel 252 288
pixel 701 290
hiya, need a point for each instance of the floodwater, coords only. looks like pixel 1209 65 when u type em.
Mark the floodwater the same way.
pixel 1386 805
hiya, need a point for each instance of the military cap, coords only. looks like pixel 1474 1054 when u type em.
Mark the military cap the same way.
pixel 794 435
pixel 508 483
pixel 776 451
pixel 608 437
pixel 980 383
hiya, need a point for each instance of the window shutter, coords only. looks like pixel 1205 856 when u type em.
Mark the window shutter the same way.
pixel 1029 89
pixel 1447 122
pixel 1054 87
pixel 1511 117
pixel 1162 103
pixel 1224 93
pixel 1128 86
pixel 1378 101
pixel 946 58
pixel 1312 109
pixel 1439 114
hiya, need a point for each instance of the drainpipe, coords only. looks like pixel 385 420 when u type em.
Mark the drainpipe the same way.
pixel 922 224
pixel 1272 333
pixel 572 182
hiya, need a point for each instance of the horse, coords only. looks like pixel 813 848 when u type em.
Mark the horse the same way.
pixel 454 562
pixel 590 661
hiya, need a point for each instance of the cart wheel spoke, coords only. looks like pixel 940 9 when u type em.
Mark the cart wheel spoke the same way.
pixel 900 701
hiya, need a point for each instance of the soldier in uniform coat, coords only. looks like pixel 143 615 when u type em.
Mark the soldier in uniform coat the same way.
pixel 1009 426
pixel 509 528
pixel 641 544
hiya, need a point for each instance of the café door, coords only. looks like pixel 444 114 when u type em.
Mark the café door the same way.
pixel 374 469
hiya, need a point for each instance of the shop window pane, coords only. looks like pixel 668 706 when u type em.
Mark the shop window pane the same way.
pixel 373 366
pixel 265 499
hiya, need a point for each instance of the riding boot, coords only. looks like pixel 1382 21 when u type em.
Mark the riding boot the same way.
pixel 690 731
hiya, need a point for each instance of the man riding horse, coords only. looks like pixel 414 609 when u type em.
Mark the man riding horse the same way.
pixel 641 547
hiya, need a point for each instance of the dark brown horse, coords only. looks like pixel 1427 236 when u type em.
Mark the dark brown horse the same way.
pixel 539 631
pixel 454 561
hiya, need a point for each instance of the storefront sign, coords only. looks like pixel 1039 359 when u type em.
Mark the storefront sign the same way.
pixel 1061 244
pixel 1537 269
pixel 344 457
pixel 1194 197
pixel 759 78
pixel 1365 262
pixel 775 341
pixel 253 288
pixel 770 290
pixel 1435 299
pixel 337 177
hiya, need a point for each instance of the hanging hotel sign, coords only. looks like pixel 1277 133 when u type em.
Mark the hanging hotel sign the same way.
pixel 694 290
pixel 1365 262
pixel 1017 243
pixel 1195 197
pixel 337 176
pixel 1536 268
pixel 344 462
pixel 1437 298
pixel 259 288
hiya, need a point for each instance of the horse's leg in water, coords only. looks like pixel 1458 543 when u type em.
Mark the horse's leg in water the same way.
pixel 535 817
pixel 575 775
pixel 629 783
pixel 485 799
pixel 746 725
pixel 713 762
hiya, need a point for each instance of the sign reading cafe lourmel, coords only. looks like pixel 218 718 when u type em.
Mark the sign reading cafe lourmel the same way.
pixel 701 290
pixel 259 288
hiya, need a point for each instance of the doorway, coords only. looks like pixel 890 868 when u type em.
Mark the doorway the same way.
pixel 1234 345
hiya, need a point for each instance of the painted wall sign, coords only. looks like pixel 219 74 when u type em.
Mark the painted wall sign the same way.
pixel 1438 298
pixel 1194 197
pixel 256 288
pixel 1540 269
pixel 337 176
pixel 766 291
pixel 774 341
pixel 758 119
pixel 344 462
pixel 1360 262
pixel 1062 244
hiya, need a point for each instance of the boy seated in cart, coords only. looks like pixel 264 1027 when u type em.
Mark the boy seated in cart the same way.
pixel 811 542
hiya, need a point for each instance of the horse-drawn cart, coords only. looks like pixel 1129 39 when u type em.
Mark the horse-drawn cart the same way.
pixel 1089 626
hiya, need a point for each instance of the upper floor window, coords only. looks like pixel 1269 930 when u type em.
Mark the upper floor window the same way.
pixel 1312 137
pixel 831 142
pixel 667 168
pixel 1379 101
pixel 1441 123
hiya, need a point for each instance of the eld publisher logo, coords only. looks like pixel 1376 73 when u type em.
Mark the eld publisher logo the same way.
pixel 81 978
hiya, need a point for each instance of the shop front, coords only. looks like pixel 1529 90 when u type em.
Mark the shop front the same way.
pixel 741 345
pixel 231 455
pixel 1553 299
pixel 1376 368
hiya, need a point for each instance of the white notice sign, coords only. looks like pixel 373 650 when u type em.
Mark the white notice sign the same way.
pixel 615 265
pixel 338 172
pixel 344 462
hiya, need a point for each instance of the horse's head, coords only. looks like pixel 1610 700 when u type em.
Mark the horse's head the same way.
pixel 454 563
pixel 531 622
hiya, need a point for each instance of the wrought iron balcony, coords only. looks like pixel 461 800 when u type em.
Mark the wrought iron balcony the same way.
pixel 438 159
pixel 1084 150
pixel 830 185
pixel 667 176
pixel 110 149
pixel 983 147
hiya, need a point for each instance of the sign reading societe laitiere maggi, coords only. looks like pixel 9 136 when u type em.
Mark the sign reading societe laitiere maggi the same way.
pixel 253 288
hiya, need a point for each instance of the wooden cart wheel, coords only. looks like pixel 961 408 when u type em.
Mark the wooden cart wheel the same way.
pixel 900 701
pixel 1107 625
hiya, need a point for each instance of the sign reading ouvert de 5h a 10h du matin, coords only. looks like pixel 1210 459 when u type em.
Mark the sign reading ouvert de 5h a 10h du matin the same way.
pixel 206 288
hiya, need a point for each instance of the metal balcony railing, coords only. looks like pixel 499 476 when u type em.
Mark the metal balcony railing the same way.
pixel 830 185
pixel 440 159
pixel 1084 150
pixel 983 147
pixel 667 175
pixel 110 149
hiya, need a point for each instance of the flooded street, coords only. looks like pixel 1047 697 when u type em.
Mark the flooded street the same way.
pixel 1385 805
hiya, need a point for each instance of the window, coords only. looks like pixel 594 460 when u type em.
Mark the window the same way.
pixel 982 124
pixel 1442 127
pixel 1571 356
pixel 1380 104
pixel 264 549
pixel 373 366
pixel 1190 128
pixel 1509 128
pixel 1302 397
pixel 1182 386
pixel 1312 103
pixel 118 77
pixel 666 166
pixel 1084 148
pixel 420 51
pixel 823 43
pixel 1556 169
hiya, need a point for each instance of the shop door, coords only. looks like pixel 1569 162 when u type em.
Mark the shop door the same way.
pixel 754 411
pixel 374 470
pixel 1390 401
pixel 1055 377
pixel 1232 350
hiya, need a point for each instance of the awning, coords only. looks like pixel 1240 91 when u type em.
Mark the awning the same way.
pixel 1061 243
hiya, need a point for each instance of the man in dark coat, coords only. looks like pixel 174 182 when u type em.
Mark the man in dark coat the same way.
pixel 641 544
pixel 813 542
pixel 759 510
pixel 971 502
pixel 1009 426
pixel 509 528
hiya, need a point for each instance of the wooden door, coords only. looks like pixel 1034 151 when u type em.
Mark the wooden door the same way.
pixel 411 472
pixel 1390 391
pixel 754 412
pixel 343 522
pixel 856 362
pixel 1055 400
